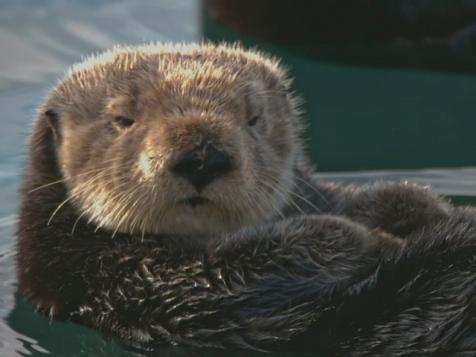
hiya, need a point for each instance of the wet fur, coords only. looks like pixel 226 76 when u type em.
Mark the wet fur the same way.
pixel 387 269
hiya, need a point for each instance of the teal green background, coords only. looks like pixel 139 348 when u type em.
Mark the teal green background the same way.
pixel 376 117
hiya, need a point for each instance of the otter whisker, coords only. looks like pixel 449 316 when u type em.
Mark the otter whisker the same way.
pixel 316 190
pixel 47 185
pixel 58 181
pixel 305 200
pixel 139 217
pixel 115 194
pixel 153 197
pixel 277 187
pixel 83 188
pixel 258 204
pixel 57 209
pixel 302 198
pixel 289 200
pixel 271 203
pixel 72 177
pixel 127 197
pixel 77 220
pixel 134 207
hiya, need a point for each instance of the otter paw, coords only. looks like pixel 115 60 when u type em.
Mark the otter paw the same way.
pixel 397 208
pixel 326 247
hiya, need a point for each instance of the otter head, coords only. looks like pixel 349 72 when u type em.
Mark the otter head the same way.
pixel 181 139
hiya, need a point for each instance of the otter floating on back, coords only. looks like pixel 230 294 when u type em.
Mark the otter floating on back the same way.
pixel 168 200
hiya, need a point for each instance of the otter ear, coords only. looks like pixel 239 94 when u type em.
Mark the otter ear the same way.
pixel 52 118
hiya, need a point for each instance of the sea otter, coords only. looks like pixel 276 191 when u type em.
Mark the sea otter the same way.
pixel 168 200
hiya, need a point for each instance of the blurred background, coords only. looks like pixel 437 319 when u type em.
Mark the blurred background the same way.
pixel 387 84
pixel 389 89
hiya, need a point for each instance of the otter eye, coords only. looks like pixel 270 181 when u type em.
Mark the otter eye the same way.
pixel 253 120
pixel 123 122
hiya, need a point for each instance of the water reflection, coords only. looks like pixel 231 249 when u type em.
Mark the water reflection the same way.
pixel 38 335
pixel 41 38
pixel 12 343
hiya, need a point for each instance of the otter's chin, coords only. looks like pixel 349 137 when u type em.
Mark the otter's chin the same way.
pixel 196 201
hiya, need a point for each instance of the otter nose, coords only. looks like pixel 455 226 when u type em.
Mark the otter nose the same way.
pixel 202 165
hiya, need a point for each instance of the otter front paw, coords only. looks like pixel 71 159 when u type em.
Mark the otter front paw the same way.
pixel 318 244
pixel 397 208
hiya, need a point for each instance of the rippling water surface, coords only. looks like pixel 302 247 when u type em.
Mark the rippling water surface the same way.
pixel 38 41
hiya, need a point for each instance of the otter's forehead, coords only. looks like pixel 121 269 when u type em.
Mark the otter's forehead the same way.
pixel 196 69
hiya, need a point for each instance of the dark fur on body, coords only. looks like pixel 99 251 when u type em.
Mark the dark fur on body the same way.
pixel 382 270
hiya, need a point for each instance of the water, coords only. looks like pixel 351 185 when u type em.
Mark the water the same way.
pixel 38 41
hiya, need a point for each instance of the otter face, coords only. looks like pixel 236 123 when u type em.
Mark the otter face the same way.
pixel 189 139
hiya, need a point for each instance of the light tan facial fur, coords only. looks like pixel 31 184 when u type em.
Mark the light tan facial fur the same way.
pixel 121 178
